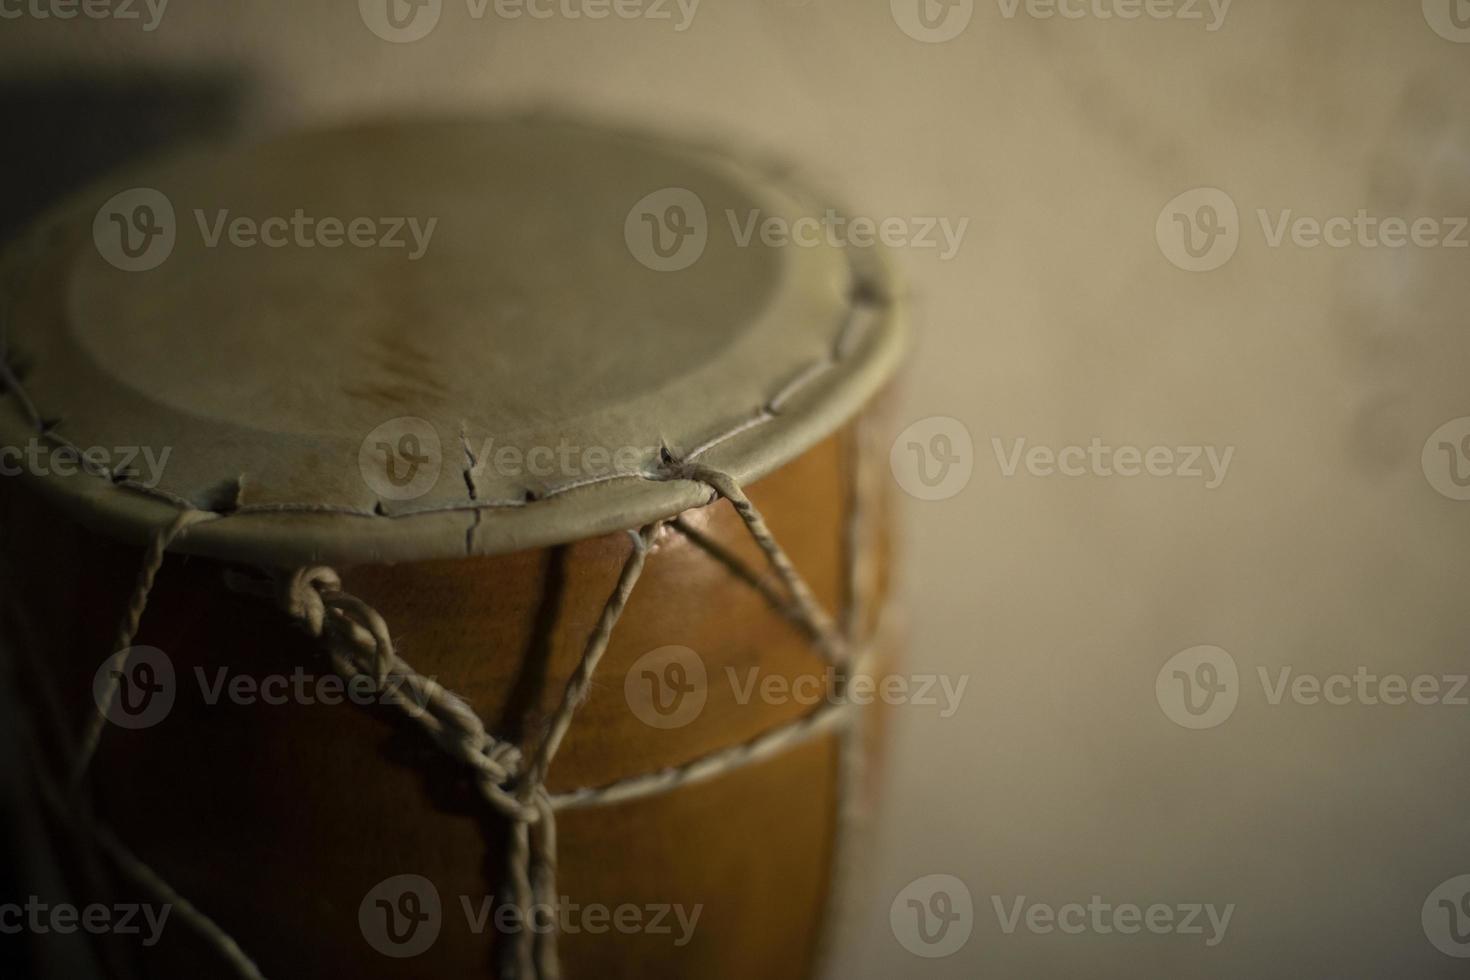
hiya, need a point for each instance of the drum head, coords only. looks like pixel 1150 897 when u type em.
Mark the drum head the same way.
pixel 418 340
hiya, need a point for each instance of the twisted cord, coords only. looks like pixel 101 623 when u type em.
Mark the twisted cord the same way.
pixel 819 625
pixel 532 879
pixel 127 631
pixel 359 644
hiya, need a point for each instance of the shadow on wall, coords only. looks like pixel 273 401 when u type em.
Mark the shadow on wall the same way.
pixel 62 132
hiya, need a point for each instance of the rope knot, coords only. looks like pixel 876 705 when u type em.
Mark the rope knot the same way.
pixel 302 595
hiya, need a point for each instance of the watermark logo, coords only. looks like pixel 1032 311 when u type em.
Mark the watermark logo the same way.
pixel 933 916
pixel 90 9
pixel 62 918
pixel 1198 688
pixel 400 21
pixel 1362 687
pixel 1199 230
pixel 1105 918
pixel 1211 12
pixel 932 21
pixel 1446 917
pixel 833 229
pixel 301 688
pixel 565 459
pixel 667 230
pixel 831 686
pixel 135 688
pixel 1446 459
pixel 406 21
pixel 679 12
pixel 936 21
pixel 667 688
pixel 401 916
pixel 572 918
pixel 933 458
pixel 401 459
pixel 1361 230
pixel 1209 464
pixel 135 229
pixel 1450 19
pixel 138 464
pixel 312 231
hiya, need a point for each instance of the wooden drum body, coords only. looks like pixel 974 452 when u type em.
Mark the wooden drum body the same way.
pixel 355 556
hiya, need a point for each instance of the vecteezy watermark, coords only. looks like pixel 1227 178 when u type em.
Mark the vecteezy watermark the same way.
pixel 939 691
pixel 668 688
pixel 1362 687
pixel 402 459
pixel 138 687
pixel 679 13
pixel 1200 688
pixel 40 918
pixel 565 459
pixel 669 229
pixel 1210 13
pixel 1445 459
pixel 1446 917
pixel 1203 919
pixel 934 917
pixel 834 230
pixel 932 21
pixel 936 21
pixel 303 230
pixel 148 13
pixel 402 917
pixel 140 464
pixel 1209 464
pixel 1450 19
pixel 136 230
pixel 135 688
pixel 406 21
pixel 300 687
pixel 569 918
pixel 1199 230
pixel 933 458
pixel 400 21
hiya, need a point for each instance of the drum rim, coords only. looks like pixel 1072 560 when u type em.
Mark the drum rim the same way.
pixel 873 329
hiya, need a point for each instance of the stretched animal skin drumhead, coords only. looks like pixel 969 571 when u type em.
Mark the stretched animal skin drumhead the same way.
pixel 420 339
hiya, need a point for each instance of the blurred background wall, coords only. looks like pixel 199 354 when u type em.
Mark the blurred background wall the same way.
pixel 1063 316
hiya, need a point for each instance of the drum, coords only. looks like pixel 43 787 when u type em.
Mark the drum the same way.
pixel 449 548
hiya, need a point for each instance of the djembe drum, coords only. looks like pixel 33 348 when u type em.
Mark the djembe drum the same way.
pixel 494 493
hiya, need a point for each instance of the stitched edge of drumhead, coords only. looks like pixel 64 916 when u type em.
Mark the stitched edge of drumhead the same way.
pixel 867 345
